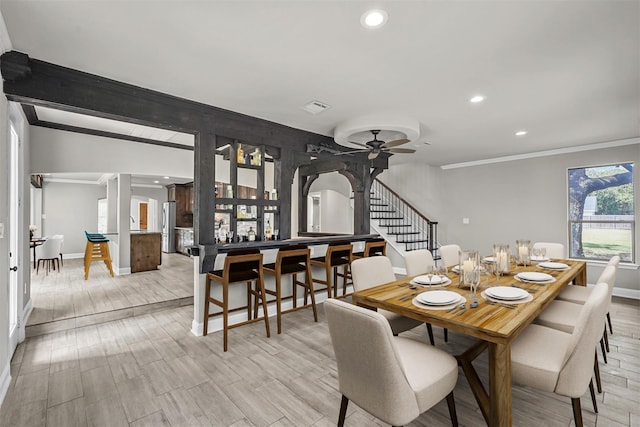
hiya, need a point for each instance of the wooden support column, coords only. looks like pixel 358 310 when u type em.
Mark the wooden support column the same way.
pixel 204 198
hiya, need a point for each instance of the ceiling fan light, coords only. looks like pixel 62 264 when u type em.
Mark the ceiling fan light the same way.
pixel 477 99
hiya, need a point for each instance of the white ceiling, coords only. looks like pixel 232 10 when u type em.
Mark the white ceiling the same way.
pixel 566 71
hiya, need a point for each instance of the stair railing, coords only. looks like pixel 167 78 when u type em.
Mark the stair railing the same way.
pixel 419 231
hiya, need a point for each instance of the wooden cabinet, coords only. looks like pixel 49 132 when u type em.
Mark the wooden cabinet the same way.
pixel 184 240
pixel 183 196
pixel 145 251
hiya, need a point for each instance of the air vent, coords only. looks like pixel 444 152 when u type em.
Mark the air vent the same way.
pixel 315 107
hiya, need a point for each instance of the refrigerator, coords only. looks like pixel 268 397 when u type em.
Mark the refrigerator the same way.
pixel 169 227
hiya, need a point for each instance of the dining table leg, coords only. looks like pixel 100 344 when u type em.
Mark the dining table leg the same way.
pixel 500 385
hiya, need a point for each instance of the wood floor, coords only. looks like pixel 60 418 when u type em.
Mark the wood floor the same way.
pixel 63 295
pixel 149 370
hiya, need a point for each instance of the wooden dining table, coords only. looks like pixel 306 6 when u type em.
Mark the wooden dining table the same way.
pixel 494 325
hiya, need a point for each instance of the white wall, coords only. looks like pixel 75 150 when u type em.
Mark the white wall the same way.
pixel 51 148
pixel 70 209
pixel 520 199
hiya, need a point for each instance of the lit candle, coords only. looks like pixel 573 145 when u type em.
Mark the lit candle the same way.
pixel 523 251
pixel 502 261
pixel 467 266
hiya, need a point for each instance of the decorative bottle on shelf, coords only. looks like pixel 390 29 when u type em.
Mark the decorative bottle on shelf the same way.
pixel 251 235
pixel 267 231
pixel 240 154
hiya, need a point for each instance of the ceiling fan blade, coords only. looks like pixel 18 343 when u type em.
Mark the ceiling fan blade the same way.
pixel 400 150
pixel 349 152
pixel 373 154
pixel 394 143
pixel 357 143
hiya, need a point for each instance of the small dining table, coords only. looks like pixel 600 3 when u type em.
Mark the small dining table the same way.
pixel 494 325
pixel 34 243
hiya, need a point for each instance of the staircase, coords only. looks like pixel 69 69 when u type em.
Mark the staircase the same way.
pixel 396 219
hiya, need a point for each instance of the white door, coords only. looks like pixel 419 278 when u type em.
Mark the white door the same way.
pixel 14 258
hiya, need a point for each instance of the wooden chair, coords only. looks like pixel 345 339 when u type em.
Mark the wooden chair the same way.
pixel 240 266
pixel 339 254
pixel 393 378
pixel 97 249
pixel 374 247
pixel 291 261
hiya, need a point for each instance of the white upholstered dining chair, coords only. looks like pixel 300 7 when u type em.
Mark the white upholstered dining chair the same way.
pixel 373 271
pixel 555 361
pixel 48 254
pixel 418 262
pixel 554 250
pixel 393 378
pixel 449 254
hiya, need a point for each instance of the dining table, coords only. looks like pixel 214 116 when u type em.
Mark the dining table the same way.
pixel 34 243
pixel 494 324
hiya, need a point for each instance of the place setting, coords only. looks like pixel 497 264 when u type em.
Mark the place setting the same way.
pixel 439 300
pixel 556 266
pixel 507 295
pixel 534 277
pixel 436 277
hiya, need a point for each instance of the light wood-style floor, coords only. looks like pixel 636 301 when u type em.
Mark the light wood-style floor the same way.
pixel 64 294
pixel 150 370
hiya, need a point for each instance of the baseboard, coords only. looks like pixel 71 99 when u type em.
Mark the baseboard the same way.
pixel 73 256
pixel 26 313
pixel 215 324
pixel 123 271
pixel 5 381
pixel 626 293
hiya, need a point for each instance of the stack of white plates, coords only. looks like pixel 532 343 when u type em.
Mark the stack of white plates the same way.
pixel 433 280
pixel 439 298
pixel 506 293
pixel 534 277
pixel 554 265
pixel 538 258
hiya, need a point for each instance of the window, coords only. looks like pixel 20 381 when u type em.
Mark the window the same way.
pixel 601 216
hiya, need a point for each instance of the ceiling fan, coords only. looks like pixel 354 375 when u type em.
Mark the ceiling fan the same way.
pixel 375 146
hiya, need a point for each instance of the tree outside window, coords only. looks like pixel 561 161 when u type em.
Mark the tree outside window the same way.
pixel 601 212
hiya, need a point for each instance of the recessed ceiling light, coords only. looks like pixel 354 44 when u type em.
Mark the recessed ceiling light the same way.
pixel 521 133
pixel 165 177
pixel 156 182
pixel 375 18
pixel 476 99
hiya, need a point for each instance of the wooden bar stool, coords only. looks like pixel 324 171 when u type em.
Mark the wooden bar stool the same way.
pixel 292 260
pixel 372 247
pixel 97 249
pixel 339 254
pixel 241 265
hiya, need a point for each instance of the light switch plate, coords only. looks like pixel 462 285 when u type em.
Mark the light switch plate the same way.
pixel 465 221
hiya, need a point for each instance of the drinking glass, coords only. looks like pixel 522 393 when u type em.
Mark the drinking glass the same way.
pixel 431 269
pixel 230 236
pixel 441 271
pixel 276 234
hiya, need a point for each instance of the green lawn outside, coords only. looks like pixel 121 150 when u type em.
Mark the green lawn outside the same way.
pixel 603 243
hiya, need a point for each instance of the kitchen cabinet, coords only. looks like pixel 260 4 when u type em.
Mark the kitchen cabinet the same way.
pixel 184 240
pixel 183 196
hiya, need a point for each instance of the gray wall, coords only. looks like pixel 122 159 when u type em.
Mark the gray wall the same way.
pixel 520 199
pixel 70 209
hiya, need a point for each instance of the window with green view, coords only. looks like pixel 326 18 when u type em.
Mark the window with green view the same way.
pixel 601 215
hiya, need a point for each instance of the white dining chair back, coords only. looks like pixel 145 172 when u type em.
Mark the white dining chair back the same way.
pixel 554 250
pixel 371 271
pixel 50 249
pixel 393 378
pixel 374 271
pixel 418 262
pixel 575 375
pixel 61 237
pixel 450 255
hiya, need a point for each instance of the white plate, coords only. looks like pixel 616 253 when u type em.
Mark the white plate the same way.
pixel 438 297
pixel 554 265
pixel 456 269
pixel 534 276
pixel 506 293
pixel 435 280
pixel 539 258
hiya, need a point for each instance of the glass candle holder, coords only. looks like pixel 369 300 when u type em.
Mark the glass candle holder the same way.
pixel 523 252
pixel 502 256
pixel 469 267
